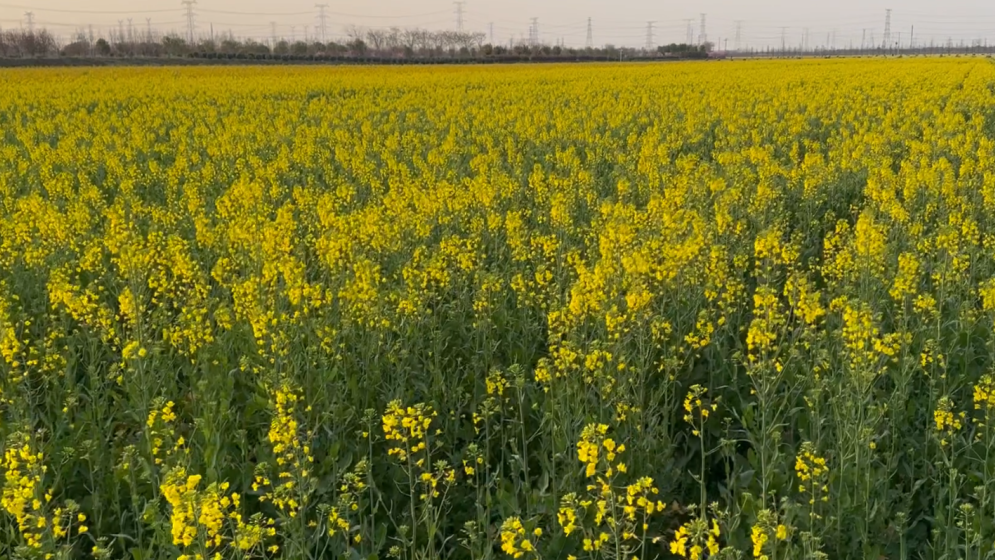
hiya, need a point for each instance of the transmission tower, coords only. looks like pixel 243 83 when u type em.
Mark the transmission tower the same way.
pixel 534 32
pixel 322 18
pixel 491 26
pixel 148 29
pixel 887 28
pixel 272 28
pixel 30 16
pixel 649 35
pixel 293 34
pixel 459 16
pixel 703 35
pixel 589 43
pixel 188 5
pixel 739 33
pixel 784 39
pixel 131 31
pixel 690 32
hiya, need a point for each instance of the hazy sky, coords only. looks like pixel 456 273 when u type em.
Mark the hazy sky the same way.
pixel 620 22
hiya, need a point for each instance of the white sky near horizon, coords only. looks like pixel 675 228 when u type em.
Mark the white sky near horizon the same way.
pixel 841 23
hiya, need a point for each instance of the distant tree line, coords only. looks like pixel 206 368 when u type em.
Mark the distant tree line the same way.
pixel 360 44
pixel 20 43
pixel 685 51
pixel 388 46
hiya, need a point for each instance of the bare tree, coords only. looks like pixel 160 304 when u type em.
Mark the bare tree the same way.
pixel 354 32
pixel 424 39
pixel 477 39
pixel 29 43
pixel 410 38
pixel 393 39
pixel 439 40
pixel 376 38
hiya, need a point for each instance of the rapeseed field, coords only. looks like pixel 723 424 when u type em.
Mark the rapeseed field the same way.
pixel 600 312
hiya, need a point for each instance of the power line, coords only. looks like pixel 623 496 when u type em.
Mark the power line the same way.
pixel 188 5
pixel 323 19
pixel 327 12
pixel 231 13
pixel 887 28
pixel 459 16
pixel 106 12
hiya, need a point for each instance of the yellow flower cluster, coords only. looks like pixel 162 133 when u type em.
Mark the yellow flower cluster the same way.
pixel 293 458
pixel 496 383
pixel 41 525
pixel 639 498
pixel 805 300
pixel 210 516
pixel 64 518
pixel 440 474
pixel 161 434
pixel 337 523
pixel 23 495
pixel 620 513
pixel 407 428
pixel 283 429
pixel 593 439
pixel 180 491
pixel 812 473
pixel 696 409
pixel 767 529
pixel 907 280
pixel 761 338
pixel 696 537
pixel 984 393
pixel 567 514
pixel 514 541
pixel 947 421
